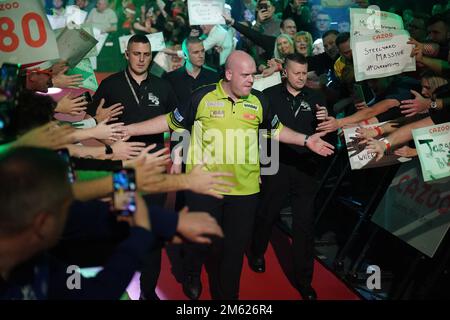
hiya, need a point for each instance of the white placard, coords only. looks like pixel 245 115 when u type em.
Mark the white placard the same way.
pixel 369 21
pixel 156 41
pixel 382 55
pixel 261 83
pixel 56 22
pixel 26 33
pixel 433 147
pixel 75 14
pixel 360 158
pixel 206 12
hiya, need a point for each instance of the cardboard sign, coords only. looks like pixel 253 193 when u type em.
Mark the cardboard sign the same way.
pixel 369 21
pixel 85 69
pixel 206 12
pixel 74 45
pixel 382 55
pixel 26 33
pixel 433 148
pixel 262 83
pixel 360 158
pixel 415 211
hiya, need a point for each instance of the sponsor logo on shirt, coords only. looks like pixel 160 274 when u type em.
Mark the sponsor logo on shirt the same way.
pixel 249 116
pixel 219 104
pixel 250 106
pixel 275 121
pixel 304 106
pixel 177 115
pixel 217 113
pixel 154 100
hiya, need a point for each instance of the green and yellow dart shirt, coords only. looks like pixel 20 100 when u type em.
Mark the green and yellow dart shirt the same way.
pixel 224 133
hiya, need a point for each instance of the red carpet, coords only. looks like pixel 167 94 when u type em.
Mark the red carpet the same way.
pixel 271 285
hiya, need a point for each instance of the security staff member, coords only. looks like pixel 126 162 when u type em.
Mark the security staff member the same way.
pixel 144 97
pixel 194 74
pixel 227 107
pixel 296 106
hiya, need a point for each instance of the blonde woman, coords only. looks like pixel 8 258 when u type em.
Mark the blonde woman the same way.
pixel 304 43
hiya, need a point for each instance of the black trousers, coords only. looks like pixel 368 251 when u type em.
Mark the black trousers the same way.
pixel 302 187
pixel 223 259
pixel 152 263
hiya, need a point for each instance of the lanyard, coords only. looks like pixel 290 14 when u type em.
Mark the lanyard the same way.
pixel 132 89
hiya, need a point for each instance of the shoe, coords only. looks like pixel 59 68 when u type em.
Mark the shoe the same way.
pixel 257 264
pixel 307 292
pixel 192 287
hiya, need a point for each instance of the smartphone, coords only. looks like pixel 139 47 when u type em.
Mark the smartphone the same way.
pixel 358 93
pixel 262 6
pixel 124 198
pixel 9 82
pixel 87 96
pixel 65 155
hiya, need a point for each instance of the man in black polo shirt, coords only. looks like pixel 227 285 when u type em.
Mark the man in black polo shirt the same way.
pixel 144 97
pixel 194 74
pixel 296 107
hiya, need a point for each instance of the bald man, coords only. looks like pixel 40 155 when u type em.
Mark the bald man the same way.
pixel 224 120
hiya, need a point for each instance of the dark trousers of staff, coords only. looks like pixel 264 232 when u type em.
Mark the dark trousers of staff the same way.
pixel 302 187
pixel 224 258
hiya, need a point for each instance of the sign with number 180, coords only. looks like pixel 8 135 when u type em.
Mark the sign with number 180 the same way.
pixel 25 35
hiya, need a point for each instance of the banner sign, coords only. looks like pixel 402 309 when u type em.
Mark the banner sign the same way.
pixel 360 158
pixel 206 12
pixel 433 148
pixel 382 55
pixel 415 211
pixel 26 35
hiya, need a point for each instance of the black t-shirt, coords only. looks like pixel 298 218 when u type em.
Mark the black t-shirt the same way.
pixel 155 96
pixel 299 114
pixel 183 84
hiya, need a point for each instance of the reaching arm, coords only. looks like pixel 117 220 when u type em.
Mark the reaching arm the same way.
pixel 396 138
pixel 151 126
pixel 94 189
pixel 333 124
pixel 314 142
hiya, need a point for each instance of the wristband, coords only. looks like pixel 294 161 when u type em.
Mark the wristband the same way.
pixel 378 130
pixel 306 140
pixel 387 144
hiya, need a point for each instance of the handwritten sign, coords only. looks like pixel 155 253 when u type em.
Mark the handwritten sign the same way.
pixel 156 41
pixel 206 12
pixel 433 148
pixel 360 158
pixel 85 69
pixel 74 45
pixel 75 15
pixel 368 21
pixel 262 83
pixel 415 211
pixel 382 55
pixel 26 35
